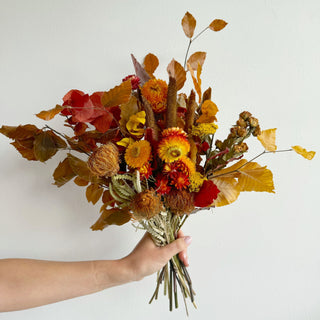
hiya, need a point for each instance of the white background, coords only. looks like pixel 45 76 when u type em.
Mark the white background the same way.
pixel 257 259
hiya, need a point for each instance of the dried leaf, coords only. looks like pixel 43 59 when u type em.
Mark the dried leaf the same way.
pixel 63 173
pixel 111 216
pixel 176 70
pixel 107 198
pixel 79 167
pixel 188 24
pixel 140 71
pixel 253 177
pixel 44 146
pixel 231 171
pixel 150 63
pixel 217 24
pixel 303 152
pixel 118 95
pixel 80 182
pixel 25 148
pixel 196 81
pixel 50 114
pixel 94 193
pixel 268 139
pixel 197 58
pixel 229 191
pixel 21 132
pixel 127 110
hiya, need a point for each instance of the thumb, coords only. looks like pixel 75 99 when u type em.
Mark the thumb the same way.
pixel 177 246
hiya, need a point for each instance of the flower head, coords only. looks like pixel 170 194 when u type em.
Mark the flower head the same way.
pixel 179 202
pixel 172 148
pixel 204 129
pixel 138 153
pixel 206 195
pixel 135 81
pixel 155 91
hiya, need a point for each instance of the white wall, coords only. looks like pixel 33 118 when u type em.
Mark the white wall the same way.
pixel 258 259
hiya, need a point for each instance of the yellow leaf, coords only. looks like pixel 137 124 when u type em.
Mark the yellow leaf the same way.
pixel 268 139
pixel 306 154
pixel 253 177
pixel 118 95
pixel 49 114
pixel 208 112
pixel 231 171
pixel 196 81
pixel 188 24
pixel 150 63
pixel 94 193
pixel 229 191
pixel 217 24
pixel 176 70
pixel 197 58
pixel 127 110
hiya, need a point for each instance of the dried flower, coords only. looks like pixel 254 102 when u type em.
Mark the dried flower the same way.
pixel 245 115
pixel 196 180
pixel 138 153
pixel 171 148
pixel 104 161
pixel 155 91
pixel 179 202
pixel 135 81
pixel 253 122
pixel 204 129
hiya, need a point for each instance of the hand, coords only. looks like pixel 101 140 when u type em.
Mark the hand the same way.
pixel 147 258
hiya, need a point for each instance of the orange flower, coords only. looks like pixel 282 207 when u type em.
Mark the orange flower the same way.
pixel 155 91
pixel 138 153
pixel 172 148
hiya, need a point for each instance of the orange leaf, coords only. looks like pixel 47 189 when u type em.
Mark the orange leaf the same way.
pixel 21 132
pixel 303 152
pixel 217 24
pixel 25 148
pixel 268 139
pixel 49 114
pixel 107 198
pixel 63 173
pixel 188 24
pixel 150 63
pixel 80 182
pixel 94 193
pixel 176 70
pixel 44 146
pixel 229 191
pixel 108 217
pixel 208 112
pixel 196 81
pixel 118 95
pixel 197 58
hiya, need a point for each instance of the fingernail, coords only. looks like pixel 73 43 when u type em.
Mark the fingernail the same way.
pixel 187 261
pixel 187 240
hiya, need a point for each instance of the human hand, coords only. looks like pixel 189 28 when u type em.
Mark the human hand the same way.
pixel 147 258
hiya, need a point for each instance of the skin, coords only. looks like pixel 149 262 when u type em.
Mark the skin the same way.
pixel 27 283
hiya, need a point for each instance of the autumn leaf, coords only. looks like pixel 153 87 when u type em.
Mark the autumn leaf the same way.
pixel 127 110
pixel 188 24
pixel 229 190
pixel 79 167
pixel 150 63
pixel 94 193
pixel 268 139
pixel 118 95
pixel 80 182
pixel 25 148
pixel 208 112
pixel 196 80
pixel 303 152
pixel 197 58
pixel 111 216
pixel 217 24
pixel 253 177
pixel 176 70
pixel 50 114
pixel 231 171
pixel 141 73
pixel 44 146
pixel 63 173
pixel 20 132
pixel 107 198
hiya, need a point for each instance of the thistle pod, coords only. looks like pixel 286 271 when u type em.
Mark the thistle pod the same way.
pixel 179 202
pixel 104 161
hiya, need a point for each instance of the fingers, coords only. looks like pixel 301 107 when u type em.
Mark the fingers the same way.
pixel 179 245
pixel 183 256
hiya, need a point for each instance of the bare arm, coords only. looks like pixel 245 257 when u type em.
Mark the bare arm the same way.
pixel 26 283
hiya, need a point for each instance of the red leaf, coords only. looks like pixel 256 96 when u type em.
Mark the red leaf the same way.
pixel 208 192
pixel 103 122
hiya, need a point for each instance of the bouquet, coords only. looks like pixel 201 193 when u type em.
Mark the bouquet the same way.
pixel 148 151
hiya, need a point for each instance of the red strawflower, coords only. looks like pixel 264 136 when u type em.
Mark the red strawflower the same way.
pixel 135 81
pixel 206 195
pixel 162 185
pixel 179 180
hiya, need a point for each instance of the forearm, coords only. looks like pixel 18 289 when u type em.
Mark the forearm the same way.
pixel 26 283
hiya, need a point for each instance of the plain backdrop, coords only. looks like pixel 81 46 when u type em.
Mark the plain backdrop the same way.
pixel 257 259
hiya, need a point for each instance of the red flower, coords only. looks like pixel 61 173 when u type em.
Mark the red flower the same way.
pixel 162 185
pixel 206 195
pixel 135 81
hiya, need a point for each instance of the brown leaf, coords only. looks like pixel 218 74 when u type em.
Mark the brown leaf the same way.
pixel 196 81
pixel 176 70
pixel 44 146
pixel 188 24
pixel 94 193
pixel 268 139
pixel 229 190
pixel 63 173
pixel 140 71
pixel 25 147
pixel 108 217
pixel 303 152
pixel 21 132
pixel 217 24
pixel 80 182
pixel 118 95
pixel 49 114
pixel 197 58
pixel 150 63
pixel 107 198
pixel 79 167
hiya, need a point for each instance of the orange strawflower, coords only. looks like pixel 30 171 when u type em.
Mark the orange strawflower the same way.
pixel 172 148
pixel 138 153
pixel 155 91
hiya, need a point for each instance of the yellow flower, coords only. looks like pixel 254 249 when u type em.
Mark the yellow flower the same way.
pixel 196 180
pixel 172 148
pixel 155 91
pixel 138 153
pixel 135 122
pixel 125 142
pixel 204 129
pixel 208 112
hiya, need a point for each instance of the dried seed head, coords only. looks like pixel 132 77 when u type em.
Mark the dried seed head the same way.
pixel 219 144
pixel 179 202
pixel 257 131
pixel 104 161
pixel 245 115
pixel 254 122
pixel 146 205
pixel 241 123
pixel 241 132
